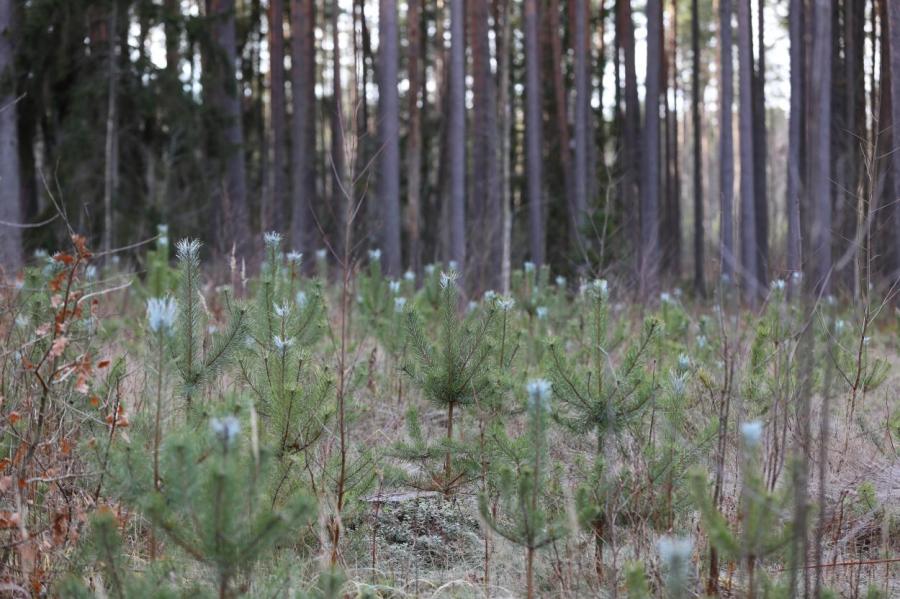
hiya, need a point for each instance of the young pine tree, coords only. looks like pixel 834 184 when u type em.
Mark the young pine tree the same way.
pixel 527 520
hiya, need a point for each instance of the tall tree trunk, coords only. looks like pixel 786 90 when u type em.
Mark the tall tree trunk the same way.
pixel 342 189
pixel 631 159
pixel 278 137
pixel 389 136
pixel 582 130
pixel 671 257
pixel 172 20
pixel 533 134
pixel 796 135
pixel 649 270
pixel 760 153
pixel 749 247
pixel 555 63
pixel 894 32
pixel 11 256
pixel 231 189
pixel 726 143
pixel 111 171
pixel 457 132
pixel 414 136
pixel 504 55
pixel 699 284
pixel 488 216
pixel 304 193
pixel 820 150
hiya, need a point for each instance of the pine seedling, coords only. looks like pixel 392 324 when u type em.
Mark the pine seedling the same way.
pixel 291 394
pixel 762 532
pixel 196 367
pixel 601 398
pixel 451 373
pixel 212 506
pixel 103 551
pixel 526 520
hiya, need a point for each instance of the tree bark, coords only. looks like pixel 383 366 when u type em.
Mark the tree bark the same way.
pixel 699 284
pixel 796 135
pixel 582 128
pixel 726 144
pixel 111 154
pixel 11 256
pixel 389 136
pixel 487 219
pixel 533 134
pixel 749 247
pixel 649 270
pixel 894 31
pixel 304 194
pixel 414 136
pixel 760 154
pixel 342 189
pixel 820 154
pixel 231 189
pixel 278 137
pixel 631 158
pixel 457 132
pixel 504 38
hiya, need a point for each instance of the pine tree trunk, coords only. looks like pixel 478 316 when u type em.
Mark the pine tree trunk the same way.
pixel 749 247
pixel 533 135
pixel 631 159
pixel 582 129
pixel 456 141
pixel 894 31
pixel 278 137
pixel 487 217
pixel 11 257
pixel 699 284
pixel 503 52
pixel 650 163
pixel 726 144
pixel 389 136
pixel 820 149
pixel 231 189
pixel 342 189
pixel 796 136
pixel 414 136
pixel 760 154
pixel 555 64
pixel 304 193
pixel 110 176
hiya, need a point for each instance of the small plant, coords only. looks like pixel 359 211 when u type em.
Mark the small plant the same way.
pixel 526 520
pixel 195 366
pixel 451 373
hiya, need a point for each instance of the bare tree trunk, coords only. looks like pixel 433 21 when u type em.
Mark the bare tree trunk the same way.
pixel 556 63
pixel 533 134
pixel 457 132
pixel 232 188
pixel 486 217
pixel 389 136
pixel 631 145
pixel 699 284
pixel 726 143
pixel 342 189
pixel 649 270
pixel 760 154
pixel 304 194
pixel 11 256
pixel 796 136
pixel 111 159
pixel 894 31
pixel 820 149
pixel 278 138
pixel 503 52
pixel 414 136
pixel 749 247
pixel 582 129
